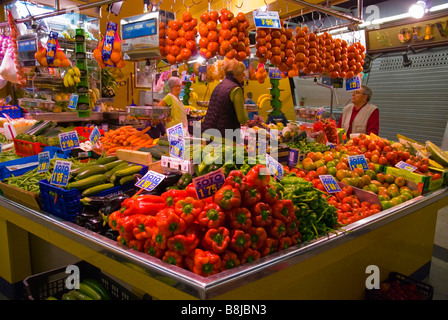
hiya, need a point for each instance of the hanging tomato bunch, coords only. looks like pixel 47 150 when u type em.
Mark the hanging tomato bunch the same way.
pixel 162 38
pixel 208 30
pixel 181 39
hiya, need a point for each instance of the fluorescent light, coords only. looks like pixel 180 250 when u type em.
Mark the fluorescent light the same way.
pixel 418 9
pixel 439 7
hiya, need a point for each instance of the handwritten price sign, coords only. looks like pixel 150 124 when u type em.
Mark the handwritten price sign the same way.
pixel 266 19
pixel 94 135
pixel 69 140
pixel 353 83
pixel 329 183
pixel 44 162
pixel 406 166
pixel 208 184
pixel 177 148
pixel 61 173
pixel 150 180
pixel 358 161
pixel 274 167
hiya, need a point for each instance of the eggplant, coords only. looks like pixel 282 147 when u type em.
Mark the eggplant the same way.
pixel 111 234
pixel 113 204
pixel 83 216
pixel 171 178
pixel 95 224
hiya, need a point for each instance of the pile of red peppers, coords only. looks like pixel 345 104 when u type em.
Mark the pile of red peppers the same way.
pixel 244 220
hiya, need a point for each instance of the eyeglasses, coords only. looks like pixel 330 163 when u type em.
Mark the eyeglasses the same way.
pixel 356 92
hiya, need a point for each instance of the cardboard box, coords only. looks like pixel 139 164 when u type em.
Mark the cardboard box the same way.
pixel 28 199
pixel 170 163
pixel 423 182
pixel 138 157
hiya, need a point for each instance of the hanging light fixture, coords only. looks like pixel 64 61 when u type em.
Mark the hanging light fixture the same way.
pixel 406 61
pixel 418 9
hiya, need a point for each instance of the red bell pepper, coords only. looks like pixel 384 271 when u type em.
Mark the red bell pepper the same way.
pixel 169 223
pixel 239 240
pixel 269 195
pixel 229 260
pixel 113 220
pixel 206 263
pixel 283 210
pixel 188 209
pixel 258 176
pixel 250 196
pixel 277 229
pixel 284 243
pixel 145 227
pixel 191 191
pixel 128 223
pixel 172 196
pixel 143 204
pixel 249 255
pixel 216 240
pixel 136 244
pixel 292 227
pixel 258 236
pixel 239 218
pixel 173 258
pixel 150 248
pixel 227 197
pixel 296 238
pixel 212 216
pixel 184 243
pixel 270 246
pixel 159 239
pixel 261 215
pixel 235 179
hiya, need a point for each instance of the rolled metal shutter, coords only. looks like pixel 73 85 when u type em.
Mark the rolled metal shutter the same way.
pixel 413 100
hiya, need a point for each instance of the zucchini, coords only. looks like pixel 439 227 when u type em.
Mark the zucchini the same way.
pixel 69 296
pixel 97 189
pixel 128 171
pixel 88 182
pixel 104 160
pixel 127 179
pixel 164 143
pixel 90 171
pixel 89 291
pixel 113 164
pixel 119 167
pixel 98 287
pixel 80 296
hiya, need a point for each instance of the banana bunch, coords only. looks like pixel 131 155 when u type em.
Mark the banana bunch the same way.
pixel 94 95
pixel 72 77
pixel 264 101
pixel 261 97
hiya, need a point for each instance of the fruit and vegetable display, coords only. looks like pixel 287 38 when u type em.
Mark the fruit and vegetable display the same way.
pixel 108 52
pixel 51 55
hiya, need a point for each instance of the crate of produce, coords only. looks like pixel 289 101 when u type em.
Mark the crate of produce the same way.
pixel 86 131
pixel 25 148
pixel 20 166
pixel 14 112
pixel 400 287
pixel 52 283
pixel 26 198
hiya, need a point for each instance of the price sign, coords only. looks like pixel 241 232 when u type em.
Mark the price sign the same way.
pixel 94 135
pixel 274 73
pixel 358 161
pixel 175 132
pixel 150 180
pixel 274 167
pixel 330 183
pixel 1 147
pixel 69 140
pixel 406 166
pixel 177 148
pixel 267 19
pixel 353 83
pixel 44 162
pixel 61 173
pixel 73 103
pixel 208 184
pixel 319 114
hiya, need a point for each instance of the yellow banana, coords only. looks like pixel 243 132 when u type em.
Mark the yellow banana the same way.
pixel 66 84
pixel 71 81
pixel 71 71
pixel 77 72
pixel 76 79
pixel 265 103
pixel 261 97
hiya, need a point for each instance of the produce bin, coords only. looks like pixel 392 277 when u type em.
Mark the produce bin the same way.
pixel 13 112
pixel 86 131
pixel 25 148
pixel 52 283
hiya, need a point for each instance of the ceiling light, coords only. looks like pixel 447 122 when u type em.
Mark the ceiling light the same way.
pixel 418 9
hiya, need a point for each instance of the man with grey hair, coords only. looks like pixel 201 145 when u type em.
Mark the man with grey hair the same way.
pixel 360 116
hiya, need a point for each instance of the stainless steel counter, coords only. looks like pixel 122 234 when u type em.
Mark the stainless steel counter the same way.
pixel 223 282
pixel 64 116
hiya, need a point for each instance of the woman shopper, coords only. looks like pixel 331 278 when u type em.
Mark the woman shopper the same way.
pixel 178 112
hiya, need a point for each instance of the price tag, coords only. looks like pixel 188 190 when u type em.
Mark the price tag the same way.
pixel 44 162
pixel 208 184
pixel 330 183
pixel 1 148
pixel 69 140
pixel 266 19
pixel 274 167
pixel 406 166
pixel 175 132
pixel 358 161
pixel 94 135
pixel 319 114
pixel 353 83
pixel 274 73
pixel 150 180
pixel 61 173
pixel 73 103
pixel 177 148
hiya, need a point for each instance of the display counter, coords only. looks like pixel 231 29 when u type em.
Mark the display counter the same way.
pixel 64 116
pixel 334 267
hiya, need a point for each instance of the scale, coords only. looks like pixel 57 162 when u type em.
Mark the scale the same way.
pixel 149 112
pixel 140 35
pixel 27 46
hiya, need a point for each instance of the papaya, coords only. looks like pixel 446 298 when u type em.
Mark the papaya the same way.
pixel 437 154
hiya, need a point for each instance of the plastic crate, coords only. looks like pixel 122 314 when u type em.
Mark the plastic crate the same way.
pixel 425 290
pixel 66 204
pixel 14 112
pixel 86 131
pixel 52 283
pixel 5 172
pixel 25 148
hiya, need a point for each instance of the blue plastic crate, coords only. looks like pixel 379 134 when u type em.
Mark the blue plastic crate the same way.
pixel 66 204
pixel 6 173
pixel 14 112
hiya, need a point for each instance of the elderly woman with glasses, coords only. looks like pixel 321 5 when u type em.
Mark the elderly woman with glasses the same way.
pixel 360 116
pixel 178 111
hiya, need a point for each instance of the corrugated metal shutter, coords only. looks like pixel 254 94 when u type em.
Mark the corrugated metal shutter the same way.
pixel 413 100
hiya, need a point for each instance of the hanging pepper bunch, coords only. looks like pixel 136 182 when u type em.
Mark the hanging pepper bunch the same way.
pixel 329 127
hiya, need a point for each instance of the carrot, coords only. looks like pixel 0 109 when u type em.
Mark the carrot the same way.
pixel 146 129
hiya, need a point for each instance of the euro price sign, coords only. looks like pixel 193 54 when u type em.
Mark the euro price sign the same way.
pixel 208 184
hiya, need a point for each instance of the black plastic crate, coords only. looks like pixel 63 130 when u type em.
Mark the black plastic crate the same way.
pixel 425 291
pixel 52 283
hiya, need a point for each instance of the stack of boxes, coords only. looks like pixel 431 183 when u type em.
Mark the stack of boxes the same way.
pixel 82 88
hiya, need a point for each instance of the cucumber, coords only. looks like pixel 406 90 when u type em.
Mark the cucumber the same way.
pixel 69 296
pixel 98 287
pixel 164 143
pixel 104 160
pixel 127 171
pixel 111 165
pixel 437 154
pixel 119 167
pixel 126 180
pixel 88 182
pixel 90 171
pixel 89 291
pixel 79 295
pixel 97 189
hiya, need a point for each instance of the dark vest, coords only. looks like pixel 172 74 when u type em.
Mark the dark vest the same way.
pixel 221 113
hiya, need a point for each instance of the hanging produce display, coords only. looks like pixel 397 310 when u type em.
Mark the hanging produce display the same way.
pixel 108 52
pixel 181 39
pixel 208 30
pixel 51 55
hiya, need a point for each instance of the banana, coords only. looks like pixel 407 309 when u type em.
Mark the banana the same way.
pixel 265 103
pixel 77 72
pixel 97 93
pixel 260 98
pixel 71 71
pixel 71 81
pixel 76 79
pixel 66 84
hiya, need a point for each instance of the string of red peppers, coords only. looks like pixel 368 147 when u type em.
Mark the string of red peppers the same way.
pixel 245 220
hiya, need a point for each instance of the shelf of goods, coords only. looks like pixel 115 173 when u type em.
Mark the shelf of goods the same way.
pixel 397 239
pixel 64 116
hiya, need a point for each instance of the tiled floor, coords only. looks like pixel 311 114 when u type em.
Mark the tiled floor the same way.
pixel 438 276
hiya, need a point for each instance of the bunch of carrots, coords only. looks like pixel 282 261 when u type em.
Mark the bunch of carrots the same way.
pixel 125 137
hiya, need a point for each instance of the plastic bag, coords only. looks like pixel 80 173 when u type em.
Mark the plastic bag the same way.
pixel 108 51
pixel 51 55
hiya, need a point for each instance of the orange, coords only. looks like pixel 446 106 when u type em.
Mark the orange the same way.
pixel 116 46
pixel 43 61
pixel 115 56
pixel 60 55
pixel 65 63
pixel 38 55
pixel 121 64
pixel 57 62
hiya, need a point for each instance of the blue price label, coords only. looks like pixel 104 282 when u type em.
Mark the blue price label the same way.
pixel 266 19
pixel 69 140
pixel 175 132
pixel 177 148
pixel 358 161
pixel 1 147
pixel 95 135
pixel 61 173
pixel 274 73
pixel 319 114
pixel 353 83
pixel 208 184
pixel 274 167
pixel 330 183
pixel 73 103
pixel 150 180
pixel 406 166
pixel 44 162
